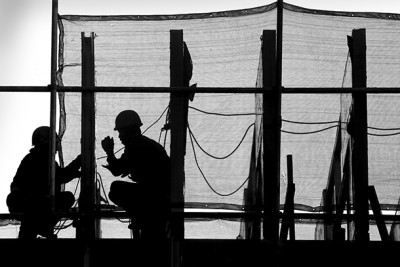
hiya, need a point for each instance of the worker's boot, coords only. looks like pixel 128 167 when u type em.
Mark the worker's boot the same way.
pixel 27 231
pixel 135 230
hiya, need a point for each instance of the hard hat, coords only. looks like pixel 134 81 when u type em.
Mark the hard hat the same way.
pixel 41 135
pixel 127 118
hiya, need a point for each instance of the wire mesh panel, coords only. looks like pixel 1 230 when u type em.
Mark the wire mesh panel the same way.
pixel 225 48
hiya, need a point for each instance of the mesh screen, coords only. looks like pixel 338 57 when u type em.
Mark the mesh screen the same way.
pixel 225 48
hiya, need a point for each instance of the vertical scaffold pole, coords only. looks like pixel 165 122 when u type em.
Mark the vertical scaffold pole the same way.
pixel 272 75
pixel 88 227
pixel 178 104
pixel 360 138
pixel 271 138
pixel 53 103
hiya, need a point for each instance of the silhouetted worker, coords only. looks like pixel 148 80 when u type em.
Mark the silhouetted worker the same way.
pixel 146 163
pixel 30 188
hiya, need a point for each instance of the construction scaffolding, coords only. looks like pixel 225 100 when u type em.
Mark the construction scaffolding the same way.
pixel 283 130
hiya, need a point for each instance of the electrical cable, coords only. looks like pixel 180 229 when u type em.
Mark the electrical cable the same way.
pixel 248 114
pixel 224 114
pixel 156 120
pixel 103 157
pixel 301 122
pixel 224 157
pixel 312 132
pixel 76 202
pixel 100 179
pixel 383 135
pixel 383 129
pixel 205 179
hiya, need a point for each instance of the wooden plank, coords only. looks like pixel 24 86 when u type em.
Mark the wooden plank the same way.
pixel 332 192
pixel 290 199
pixel 288 225
pixel 359 134
pixel 380 222
pixel 342 197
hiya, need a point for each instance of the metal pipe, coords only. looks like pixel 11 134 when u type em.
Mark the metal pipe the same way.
pixel 53 104
pixel 220 90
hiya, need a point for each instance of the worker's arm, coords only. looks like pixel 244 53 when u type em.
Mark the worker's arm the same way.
pixel 72 171
pixel 115 166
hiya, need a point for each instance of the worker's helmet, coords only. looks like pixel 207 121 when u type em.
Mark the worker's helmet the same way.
pixel 127 118
pixel 41 135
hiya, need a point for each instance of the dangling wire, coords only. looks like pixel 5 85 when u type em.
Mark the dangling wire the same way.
pixel 224 157
pixel 312 132
pixel 205 179
pixel 314 122
pixel 156 120
pixel 383 135
pixel 224 114
pixel 100 179
pixel 61 223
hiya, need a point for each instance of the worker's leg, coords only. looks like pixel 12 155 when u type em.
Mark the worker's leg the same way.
pixel 18 202
pixel 63 202
pixel 127 195
pixel 156 222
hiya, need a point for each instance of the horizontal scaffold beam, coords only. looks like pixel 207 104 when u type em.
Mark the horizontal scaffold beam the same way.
pixel 222 90
pixel 228 215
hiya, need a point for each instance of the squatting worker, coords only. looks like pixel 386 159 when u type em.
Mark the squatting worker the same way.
pixel 145 196
pixel 30 188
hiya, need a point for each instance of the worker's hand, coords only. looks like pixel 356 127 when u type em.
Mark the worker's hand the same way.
pixel 75 174
pixel 108 145
pixel 76 163
pixel 106 166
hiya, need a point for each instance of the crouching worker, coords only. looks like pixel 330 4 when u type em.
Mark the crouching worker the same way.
pixel 146 164
pixel 30 189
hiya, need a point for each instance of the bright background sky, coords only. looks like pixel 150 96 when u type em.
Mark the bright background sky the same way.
pixel 25 48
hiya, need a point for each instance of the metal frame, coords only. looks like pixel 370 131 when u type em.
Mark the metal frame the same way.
pixel 53 89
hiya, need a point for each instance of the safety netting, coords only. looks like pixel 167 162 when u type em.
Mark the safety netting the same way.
pixel 224 129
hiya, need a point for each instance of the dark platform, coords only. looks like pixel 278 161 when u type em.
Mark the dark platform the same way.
pixel 197 253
